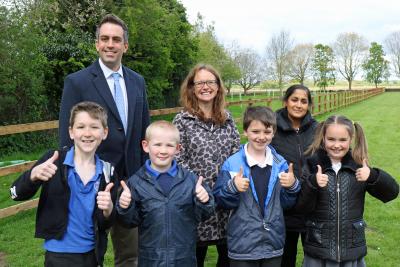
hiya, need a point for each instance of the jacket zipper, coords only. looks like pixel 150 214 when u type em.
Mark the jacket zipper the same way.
pixel 338 216
pixel 168 231
pixel 299 155
pixel 265 225
pixel 259 211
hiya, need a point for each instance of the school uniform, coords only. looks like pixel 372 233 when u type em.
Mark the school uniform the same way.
pixel 67 215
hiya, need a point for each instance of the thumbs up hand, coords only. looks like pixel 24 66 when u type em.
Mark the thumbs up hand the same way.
pixel 46 170
pixel 104 201
pixel 322 179
pixel 241 183
pixel 201 192
pixel 287 179
pixel 362 173
pixel 126 197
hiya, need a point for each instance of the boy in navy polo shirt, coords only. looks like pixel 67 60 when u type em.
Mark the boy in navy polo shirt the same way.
pixel 165 201
pixel 256 228
pixel 78 190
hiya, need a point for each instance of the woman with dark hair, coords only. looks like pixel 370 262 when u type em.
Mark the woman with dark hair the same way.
pixel 208 137
pixel 295 133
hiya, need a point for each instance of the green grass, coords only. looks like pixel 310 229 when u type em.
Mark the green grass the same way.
pixel 380 118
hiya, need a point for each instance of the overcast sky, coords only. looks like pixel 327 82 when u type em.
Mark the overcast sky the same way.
pixel 253 22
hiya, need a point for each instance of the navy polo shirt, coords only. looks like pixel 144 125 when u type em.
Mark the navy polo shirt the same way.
pixel 164 179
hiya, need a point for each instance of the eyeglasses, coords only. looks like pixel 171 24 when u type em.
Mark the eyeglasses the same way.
pixel 210 83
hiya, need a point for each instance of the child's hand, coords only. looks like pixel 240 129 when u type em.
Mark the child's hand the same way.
pixel 287 180
pixel 362 173
pixel 104 201
pixel 126 197
pixel 241 183
pixel 46 170
pixel 322 179
pixel 201 192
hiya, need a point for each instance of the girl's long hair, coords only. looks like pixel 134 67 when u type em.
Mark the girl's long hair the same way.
pixel 356 132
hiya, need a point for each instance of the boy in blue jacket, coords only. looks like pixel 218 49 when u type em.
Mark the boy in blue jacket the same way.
pixel 165 201
pixel 256 230
pixel 78 190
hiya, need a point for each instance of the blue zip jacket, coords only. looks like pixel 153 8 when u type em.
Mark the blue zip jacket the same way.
pixel 167 223
pixel 250 235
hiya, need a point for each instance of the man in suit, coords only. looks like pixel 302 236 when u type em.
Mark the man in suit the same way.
pixel 122 92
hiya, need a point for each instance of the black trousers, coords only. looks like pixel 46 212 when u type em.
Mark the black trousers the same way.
pixel 55 259
pixel 290 249
pixel 272 262
pixel 223 260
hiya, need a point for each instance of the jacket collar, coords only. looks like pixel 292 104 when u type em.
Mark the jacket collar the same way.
pixel 101 85
pixel 144 173
pixel 277 159
pixel 321 158
pixel 187 115
pixel 283 122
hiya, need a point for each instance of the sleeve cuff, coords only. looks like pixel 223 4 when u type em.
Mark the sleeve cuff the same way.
pixel 295 186
pixel 231 187
pixel 373 176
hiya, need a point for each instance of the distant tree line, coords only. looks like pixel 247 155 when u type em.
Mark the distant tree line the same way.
pixel 348 56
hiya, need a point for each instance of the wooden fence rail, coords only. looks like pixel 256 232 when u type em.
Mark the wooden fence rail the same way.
pixel 322 103
pixel 49 125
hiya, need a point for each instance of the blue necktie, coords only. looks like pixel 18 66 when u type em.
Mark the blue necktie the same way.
pixel 119 99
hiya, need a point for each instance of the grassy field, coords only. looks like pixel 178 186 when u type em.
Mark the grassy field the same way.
pixel 380 118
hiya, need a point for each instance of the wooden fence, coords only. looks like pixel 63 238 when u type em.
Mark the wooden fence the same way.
pixel 322 102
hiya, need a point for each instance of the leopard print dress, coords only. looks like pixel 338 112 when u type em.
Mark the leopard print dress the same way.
pixel 205 147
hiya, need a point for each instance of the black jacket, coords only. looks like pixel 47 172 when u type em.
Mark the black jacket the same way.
pixel 335 228
pixel 52 211
pixel 291 144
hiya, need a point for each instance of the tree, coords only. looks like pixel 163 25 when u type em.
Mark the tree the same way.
pixel 161 46
pixel 322 66
pixel 210 51
pixel 183 50
pixel 300 60
pixel 277 53
pixel 230 72
pixel 22 68
pixel 393 46
pixel 67 29
pixel 376 67
pixel 350 49
pixel 249 63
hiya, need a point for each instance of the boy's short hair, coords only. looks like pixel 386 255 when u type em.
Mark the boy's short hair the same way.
pixel 263 114
pixel 94 110
pixel 164 125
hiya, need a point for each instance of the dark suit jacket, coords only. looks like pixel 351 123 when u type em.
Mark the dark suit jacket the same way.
pixel 124 152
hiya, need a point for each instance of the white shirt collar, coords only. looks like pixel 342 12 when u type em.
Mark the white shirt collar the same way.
pixel 336 167
pixel 251 161
pixel 107 71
